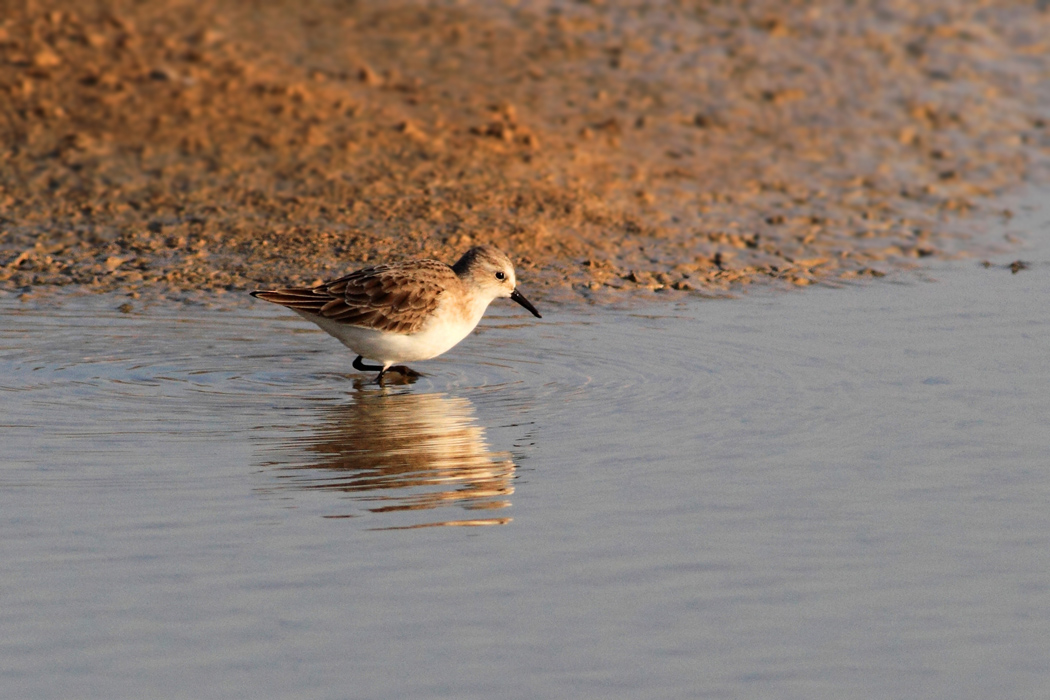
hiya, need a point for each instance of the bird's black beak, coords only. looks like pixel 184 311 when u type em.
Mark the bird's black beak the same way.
pixel 520 298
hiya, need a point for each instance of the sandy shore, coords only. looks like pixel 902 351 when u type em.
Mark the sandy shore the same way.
pixel 175 144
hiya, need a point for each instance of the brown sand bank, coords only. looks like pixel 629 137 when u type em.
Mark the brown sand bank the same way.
pixel 179 144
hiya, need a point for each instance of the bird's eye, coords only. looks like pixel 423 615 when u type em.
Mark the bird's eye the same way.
pixel 501 276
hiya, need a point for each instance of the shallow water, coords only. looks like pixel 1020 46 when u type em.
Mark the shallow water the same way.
pixel 837 493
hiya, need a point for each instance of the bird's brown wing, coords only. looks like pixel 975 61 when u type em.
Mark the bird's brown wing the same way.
pixel 397 297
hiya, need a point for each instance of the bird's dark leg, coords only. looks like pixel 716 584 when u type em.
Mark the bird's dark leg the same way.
pixel 362 367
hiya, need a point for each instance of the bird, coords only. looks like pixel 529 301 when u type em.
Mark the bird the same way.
pixel 405 311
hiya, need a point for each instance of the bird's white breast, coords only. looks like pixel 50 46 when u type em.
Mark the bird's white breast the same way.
pixel 450 323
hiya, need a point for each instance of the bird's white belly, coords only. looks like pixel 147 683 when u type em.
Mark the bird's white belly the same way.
pixel 437 336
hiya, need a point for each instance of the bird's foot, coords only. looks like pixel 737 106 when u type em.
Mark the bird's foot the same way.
pixel 405 371
pixel 397 375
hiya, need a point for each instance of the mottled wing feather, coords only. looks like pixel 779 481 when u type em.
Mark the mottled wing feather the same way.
pixel 299 298
pixel 397 297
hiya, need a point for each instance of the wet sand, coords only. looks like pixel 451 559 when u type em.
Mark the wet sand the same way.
pixel 173 145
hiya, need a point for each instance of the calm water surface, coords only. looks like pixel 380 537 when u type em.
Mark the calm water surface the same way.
pixel 830 494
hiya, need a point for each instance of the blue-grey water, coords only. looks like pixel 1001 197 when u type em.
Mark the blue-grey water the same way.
pixel 837 493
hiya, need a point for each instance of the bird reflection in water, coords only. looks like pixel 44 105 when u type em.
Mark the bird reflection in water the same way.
pixel 400 452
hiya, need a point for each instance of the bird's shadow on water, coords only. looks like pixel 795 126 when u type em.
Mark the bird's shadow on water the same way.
pixel 391 452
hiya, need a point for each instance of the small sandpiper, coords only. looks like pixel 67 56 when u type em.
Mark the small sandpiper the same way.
pixel 406 311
